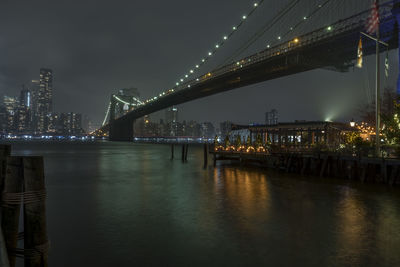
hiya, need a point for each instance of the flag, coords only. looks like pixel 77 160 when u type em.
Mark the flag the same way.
pixel 360 54
pixel 373 20
pixel 387 65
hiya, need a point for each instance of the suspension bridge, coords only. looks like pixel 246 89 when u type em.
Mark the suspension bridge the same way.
pixel 331 45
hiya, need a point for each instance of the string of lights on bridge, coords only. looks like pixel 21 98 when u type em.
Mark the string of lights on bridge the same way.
pixel 225 38
pixel 279 39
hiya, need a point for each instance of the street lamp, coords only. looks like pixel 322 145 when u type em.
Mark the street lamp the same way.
pixel 352 123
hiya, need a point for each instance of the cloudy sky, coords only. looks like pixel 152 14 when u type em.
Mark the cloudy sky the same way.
pixel 95 47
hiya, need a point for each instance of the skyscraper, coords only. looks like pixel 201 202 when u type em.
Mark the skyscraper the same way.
pixel 44 99
pixel 11 104
pixel 23 116
pixel 171 118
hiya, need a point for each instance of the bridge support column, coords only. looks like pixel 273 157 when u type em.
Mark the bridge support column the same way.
pixel 121 130
pixel 396 12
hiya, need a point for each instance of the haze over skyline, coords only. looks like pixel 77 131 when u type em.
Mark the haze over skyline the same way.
pixel 95 48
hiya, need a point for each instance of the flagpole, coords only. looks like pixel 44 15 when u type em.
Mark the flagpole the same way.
pixel 378 93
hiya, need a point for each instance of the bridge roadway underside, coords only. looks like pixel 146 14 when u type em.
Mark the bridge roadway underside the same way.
pixel 335 52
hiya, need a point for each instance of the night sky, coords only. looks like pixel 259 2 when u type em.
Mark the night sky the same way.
pixel 97 46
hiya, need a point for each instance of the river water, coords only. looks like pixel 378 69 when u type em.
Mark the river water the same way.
pixel 124 204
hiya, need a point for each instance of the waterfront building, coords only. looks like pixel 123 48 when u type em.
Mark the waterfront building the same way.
pixel 298 134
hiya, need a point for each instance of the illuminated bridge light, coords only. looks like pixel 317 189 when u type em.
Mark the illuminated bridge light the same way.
pixel 209 53
pixel 189 86
pixel 197 66
pixel 279 37
pixel 203 60
pixel 191 71
pixel 268 46
pixel 304 17
pixel 234 28
pixel 181 80
pixel 244 17
pixel 197 79
pixel 225 37
pixel 296 40
pixel 186 75
pixel 216 46
pixel 329 28
pixel 177 84
pixel 255 4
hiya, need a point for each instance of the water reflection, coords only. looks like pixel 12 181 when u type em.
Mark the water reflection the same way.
pixel 129 205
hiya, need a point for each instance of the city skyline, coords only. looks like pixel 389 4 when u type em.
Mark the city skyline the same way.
pixel 116 56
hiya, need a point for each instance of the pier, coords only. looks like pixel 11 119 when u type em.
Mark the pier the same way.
pixel 364 169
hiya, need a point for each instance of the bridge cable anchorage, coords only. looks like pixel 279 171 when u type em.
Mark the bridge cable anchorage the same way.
pixel 107 113
pixel 127 103
pixel 211 52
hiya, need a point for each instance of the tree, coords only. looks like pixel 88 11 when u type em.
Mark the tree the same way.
pixel 248 142
pixel 238 141
pixel 368 112
pixel 391 125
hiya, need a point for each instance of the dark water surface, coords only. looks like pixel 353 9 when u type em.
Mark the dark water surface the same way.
pixel 123 204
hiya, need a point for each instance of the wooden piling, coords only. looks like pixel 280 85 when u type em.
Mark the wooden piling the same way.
pixel 186 152
pixel 172 151
pixel 364 168
pixel 205 156
pixel 5 151
pixel 183 153
pixel 36 243
pixel 215 159
pixel 323 167
pixel 11 202
pixel 384 172
pixel 3 251
pixel 393 175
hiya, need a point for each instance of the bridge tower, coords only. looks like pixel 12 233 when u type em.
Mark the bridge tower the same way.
pixel 396 13
pixel 121 129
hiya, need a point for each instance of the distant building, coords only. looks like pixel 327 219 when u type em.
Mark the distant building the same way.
pixel 3 120
pixel 225 128
pixel 271 117
pixel 171 119
pixel 11 105
pixel 207 130
pixel 44 99
pixel 171 114
pixel 86 123
pixel 64 123
pixel 22 117
pixel 34 89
